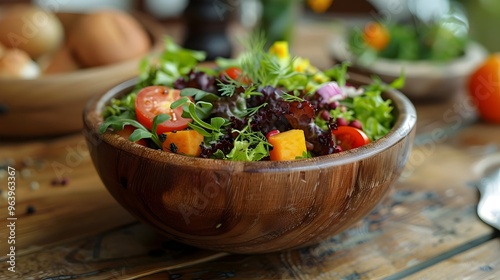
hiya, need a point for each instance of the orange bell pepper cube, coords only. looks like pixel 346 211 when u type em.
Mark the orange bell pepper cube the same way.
pixel 287 145
pixel 185 142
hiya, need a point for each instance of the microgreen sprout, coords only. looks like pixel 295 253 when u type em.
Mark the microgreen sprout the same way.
pixel 141 132
pixel 290 97
pixel 249 145
pixel 212 130
pixel 253 110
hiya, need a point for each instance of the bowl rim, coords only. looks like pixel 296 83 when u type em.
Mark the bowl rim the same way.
pixel 80 73
pixel 404 126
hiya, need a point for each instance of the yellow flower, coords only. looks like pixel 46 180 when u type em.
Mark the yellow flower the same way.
pixel 280 49
pixel 319 6
pixel 320 78
pixel 301 65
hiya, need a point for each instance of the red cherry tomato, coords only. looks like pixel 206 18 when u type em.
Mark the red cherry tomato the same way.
pixel 348 137
pixel 235 73
pixel 154 100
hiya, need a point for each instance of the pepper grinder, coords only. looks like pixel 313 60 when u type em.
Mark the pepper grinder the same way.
pixel 206 27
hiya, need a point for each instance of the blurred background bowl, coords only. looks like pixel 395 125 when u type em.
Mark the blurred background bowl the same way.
pixel 429 41
pixel 424 80
pixel 248 207
pixel 52 104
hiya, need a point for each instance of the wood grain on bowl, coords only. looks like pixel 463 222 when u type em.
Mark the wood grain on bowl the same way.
pixel 52 104
pixel 248 207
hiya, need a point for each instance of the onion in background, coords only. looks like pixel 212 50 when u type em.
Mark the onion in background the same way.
pixel 16 63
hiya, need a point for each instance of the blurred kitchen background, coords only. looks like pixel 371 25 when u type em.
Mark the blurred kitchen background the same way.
pixel 481 16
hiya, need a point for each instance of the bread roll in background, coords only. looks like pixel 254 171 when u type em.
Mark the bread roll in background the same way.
pixel 107 37
pixel 2 50
pixel 39 42
pixel 61 61
pixel 16 63
pixel 31 29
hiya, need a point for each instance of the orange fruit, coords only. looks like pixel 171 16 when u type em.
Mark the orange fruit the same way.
pixel 319 6
pixel 484 88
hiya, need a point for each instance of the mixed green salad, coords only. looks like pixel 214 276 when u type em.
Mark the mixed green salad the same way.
pixel 436 41
pixel 262 105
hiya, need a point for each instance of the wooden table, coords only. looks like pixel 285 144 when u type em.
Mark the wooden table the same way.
pixel 69 227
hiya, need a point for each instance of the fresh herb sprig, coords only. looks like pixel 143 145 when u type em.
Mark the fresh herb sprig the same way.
pixel 264 67
pixel 251 111
pixel 197 112
pixel 229 88
pixel 290 97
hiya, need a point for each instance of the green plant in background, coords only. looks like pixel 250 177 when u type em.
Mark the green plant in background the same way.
pixel 434 41
pixel 279 17
pixel 484 17
pixel 424 36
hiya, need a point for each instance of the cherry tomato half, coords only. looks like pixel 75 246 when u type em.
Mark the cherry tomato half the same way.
pixel 348 137
pixel 235 73
pixel 154 100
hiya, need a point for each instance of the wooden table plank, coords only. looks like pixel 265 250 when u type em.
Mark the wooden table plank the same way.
pixel 481 262
pixel 82 207
pixel 124 252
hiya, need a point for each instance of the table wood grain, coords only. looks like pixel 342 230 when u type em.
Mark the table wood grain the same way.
pixel 427 228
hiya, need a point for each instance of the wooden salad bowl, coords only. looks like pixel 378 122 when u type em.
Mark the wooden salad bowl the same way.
pixel 248 207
